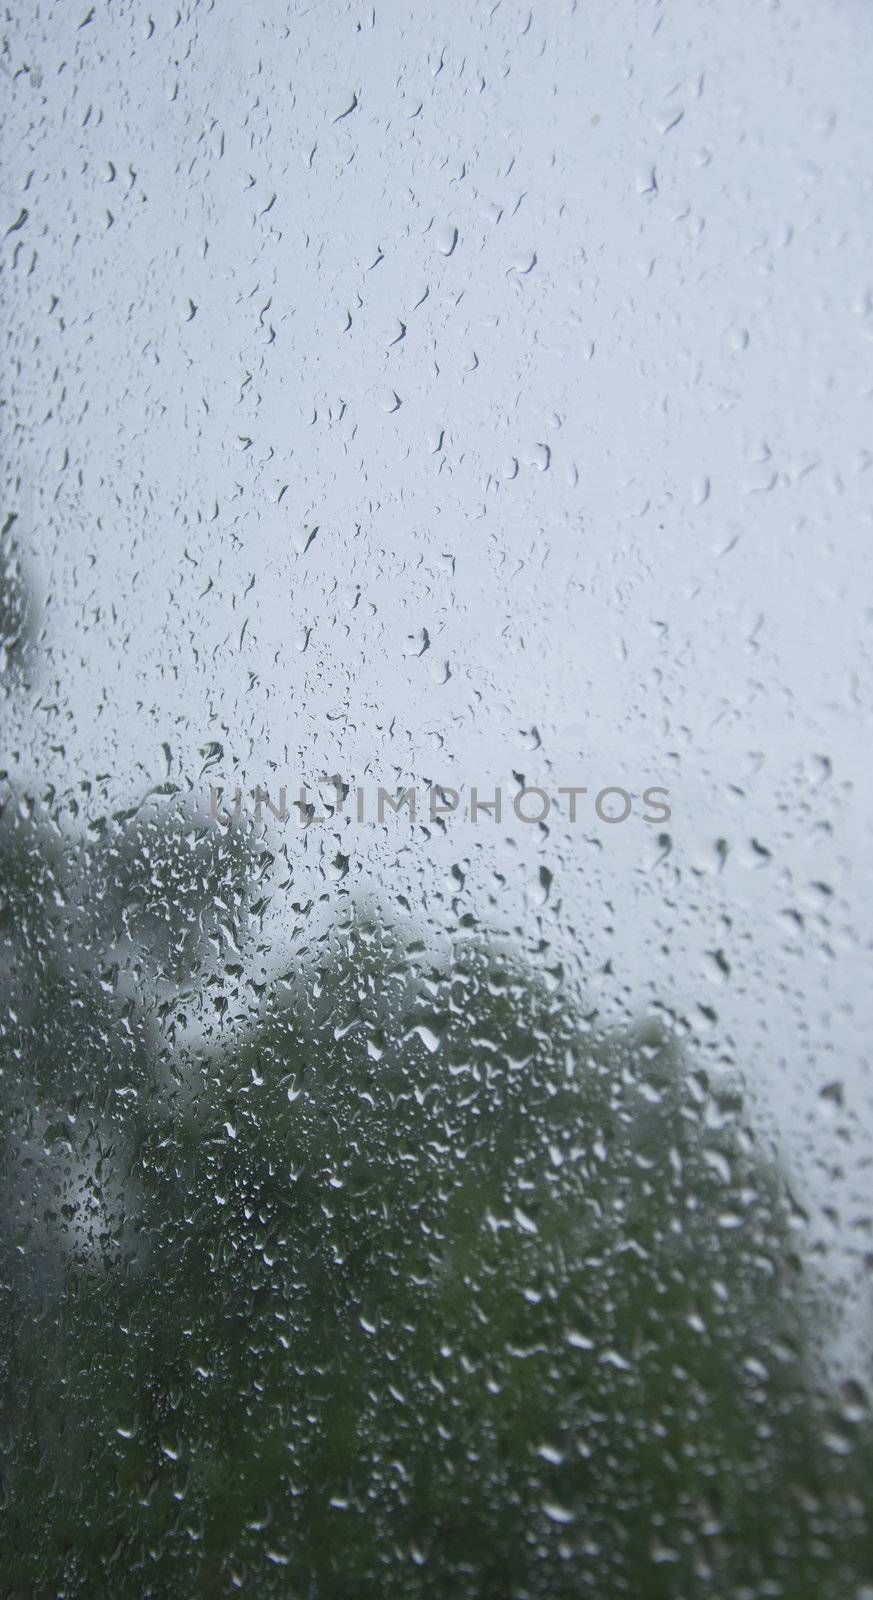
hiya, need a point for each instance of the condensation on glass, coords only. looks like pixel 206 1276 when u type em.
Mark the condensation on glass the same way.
pixel 434 850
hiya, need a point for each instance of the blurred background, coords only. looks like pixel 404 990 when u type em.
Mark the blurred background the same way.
pixel 475 396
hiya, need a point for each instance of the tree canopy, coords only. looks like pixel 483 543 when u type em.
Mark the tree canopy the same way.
pixel 407 1278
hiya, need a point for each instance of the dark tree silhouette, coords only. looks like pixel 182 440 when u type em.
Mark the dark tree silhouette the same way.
pixel 408 1279
pixel 18 613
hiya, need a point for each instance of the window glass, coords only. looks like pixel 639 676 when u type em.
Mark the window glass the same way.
pixel 434 851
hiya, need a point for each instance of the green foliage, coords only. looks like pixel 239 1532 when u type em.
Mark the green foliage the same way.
pixel 18 613
pixel 414 1282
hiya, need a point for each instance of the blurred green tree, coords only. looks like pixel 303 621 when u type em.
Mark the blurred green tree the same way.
pixel 406 1279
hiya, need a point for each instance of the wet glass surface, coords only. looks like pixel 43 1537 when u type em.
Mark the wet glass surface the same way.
pixel 434 849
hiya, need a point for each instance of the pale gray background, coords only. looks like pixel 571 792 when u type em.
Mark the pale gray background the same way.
pixel 626 489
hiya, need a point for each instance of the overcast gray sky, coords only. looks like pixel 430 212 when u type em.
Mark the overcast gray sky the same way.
pixel 556 323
